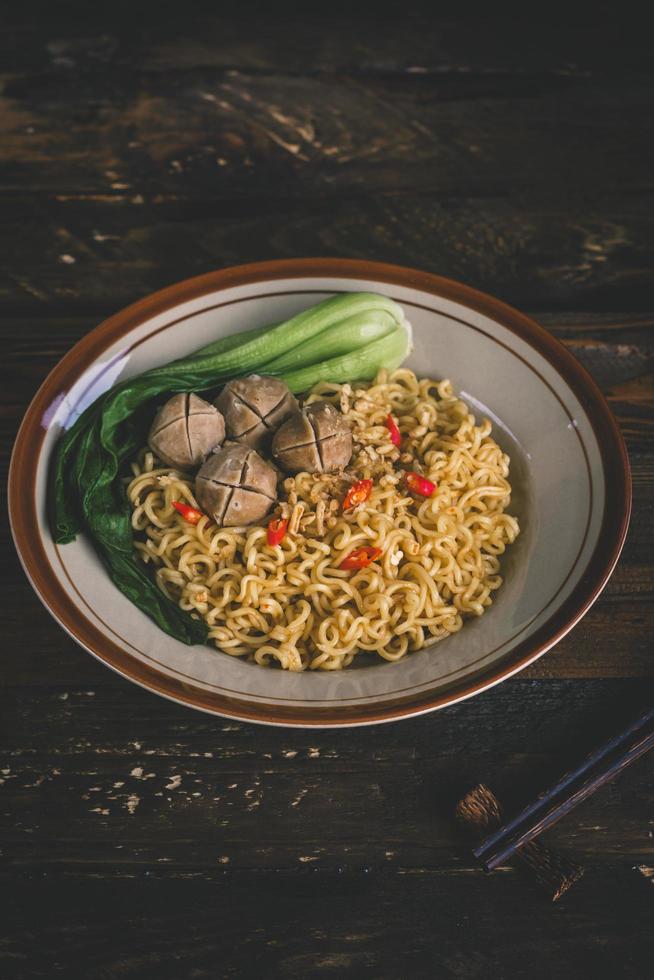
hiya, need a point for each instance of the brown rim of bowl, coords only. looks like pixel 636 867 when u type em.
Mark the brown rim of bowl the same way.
pixel 23 515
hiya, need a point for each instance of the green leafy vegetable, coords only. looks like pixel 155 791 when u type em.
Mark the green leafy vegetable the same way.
pixel 345 338
pixel 359 365
pixel 348 335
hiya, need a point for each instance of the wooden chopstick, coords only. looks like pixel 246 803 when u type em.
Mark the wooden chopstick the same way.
pixel 599 767
pixel 554 873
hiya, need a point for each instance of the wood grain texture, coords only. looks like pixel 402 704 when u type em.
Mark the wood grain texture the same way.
pixel 128 163
pixel 381 926
pixel 140 839
pixel 105 782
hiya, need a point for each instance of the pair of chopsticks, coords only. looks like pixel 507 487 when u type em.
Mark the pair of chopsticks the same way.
pixel 571 789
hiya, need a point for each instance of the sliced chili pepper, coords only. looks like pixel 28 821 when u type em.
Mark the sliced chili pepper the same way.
pixel 360 558
pixel 277 531
pixel 189 514
pixel 420 484
pixel 396 435
pixel 357 494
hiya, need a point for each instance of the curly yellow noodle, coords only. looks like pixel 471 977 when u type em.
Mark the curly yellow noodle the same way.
pixel 291 605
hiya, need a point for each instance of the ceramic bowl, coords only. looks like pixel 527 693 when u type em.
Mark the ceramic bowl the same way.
pixel 569 473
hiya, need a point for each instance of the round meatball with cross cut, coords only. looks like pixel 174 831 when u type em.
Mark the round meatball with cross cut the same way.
pixel 315 440
pixel 236 486
pixel 185 430
pixel 254 407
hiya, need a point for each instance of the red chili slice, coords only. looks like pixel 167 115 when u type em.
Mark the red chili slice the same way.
pixel 360 558
pixel 357 494
pixel 420 484
pixel 190 514
pixel 396 435
pixel 277 531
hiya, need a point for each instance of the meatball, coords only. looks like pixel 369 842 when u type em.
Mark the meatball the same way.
pixel 236 486
pixel 315 440
pixel 254 407
pixel 185 430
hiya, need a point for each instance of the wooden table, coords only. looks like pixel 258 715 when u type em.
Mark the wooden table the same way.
pixel 143 840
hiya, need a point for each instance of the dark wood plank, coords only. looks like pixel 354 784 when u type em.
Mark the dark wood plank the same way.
pixel 341 37
pixel 350 926
pixel 87 252
pixel 118 180
pixel 372 925
pixel 113 781
pixel 202 134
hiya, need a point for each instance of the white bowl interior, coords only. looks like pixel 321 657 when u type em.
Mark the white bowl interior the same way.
pixel 556 474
